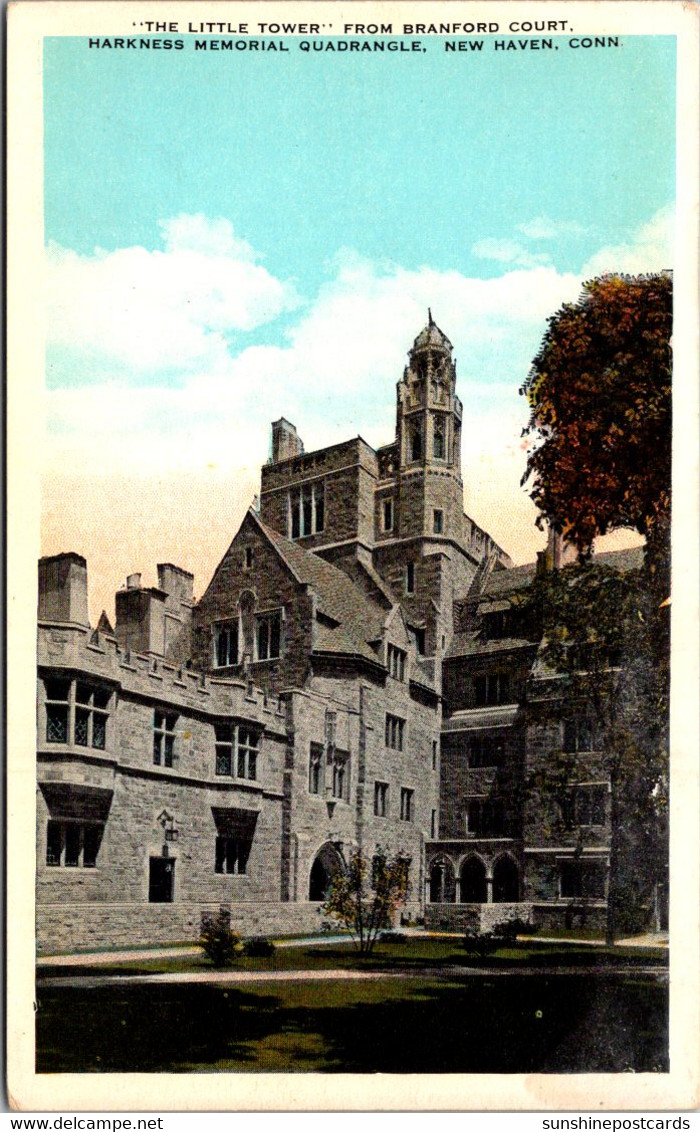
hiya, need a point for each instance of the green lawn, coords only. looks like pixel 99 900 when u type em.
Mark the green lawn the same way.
pixel 415 952
pixel 450 1025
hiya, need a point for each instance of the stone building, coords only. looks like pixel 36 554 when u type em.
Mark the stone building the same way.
pixel 352 676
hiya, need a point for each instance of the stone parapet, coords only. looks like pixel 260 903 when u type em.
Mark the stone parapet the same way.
pixel 475 917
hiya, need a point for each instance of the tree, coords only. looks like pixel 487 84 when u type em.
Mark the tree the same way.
pixel 365 898
pixel 600 413
pixel 601 631
pixel 599 391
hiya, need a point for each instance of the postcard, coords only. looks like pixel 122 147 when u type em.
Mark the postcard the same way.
pixel 352 363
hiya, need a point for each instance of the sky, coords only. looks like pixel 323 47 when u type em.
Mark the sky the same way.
pixel 235 237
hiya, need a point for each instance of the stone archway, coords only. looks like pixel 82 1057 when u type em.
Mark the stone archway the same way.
pixel 472 877
pixel 327 863
pixel 506 881
pixel 442 882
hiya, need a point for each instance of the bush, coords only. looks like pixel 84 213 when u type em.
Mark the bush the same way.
pixel 393 937
pixel 504 934
pixel 480 944
pixel 217 940
pixel 258 947
pixel 508 930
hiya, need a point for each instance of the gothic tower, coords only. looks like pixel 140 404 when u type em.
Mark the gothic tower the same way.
pixel 428 412
pixel 429 440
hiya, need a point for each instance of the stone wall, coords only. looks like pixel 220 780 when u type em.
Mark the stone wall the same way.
pixel 348 475
pixel 476 917
pixel 272 586
pixel 65 927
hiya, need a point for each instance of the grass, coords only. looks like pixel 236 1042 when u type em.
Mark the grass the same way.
pixel 415 952
pixel 449 1025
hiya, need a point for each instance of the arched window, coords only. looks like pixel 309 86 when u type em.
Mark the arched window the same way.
pixel 473 881
pixel 416 443
pixel 506 881
pixel 439 439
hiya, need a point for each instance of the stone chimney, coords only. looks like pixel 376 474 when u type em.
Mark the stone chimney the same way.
pixel 63 589
pixel 140 625
pixel 558 553
pixel 285 441
pixel 178 585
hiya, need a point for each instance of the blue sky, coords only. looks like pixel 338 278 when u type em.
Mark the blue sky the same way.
pixel 232 237
pixel 408 158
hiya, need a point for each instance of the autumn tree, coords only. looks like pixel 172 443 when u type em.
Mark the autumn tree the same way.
pixel 599 392
pixel 365 897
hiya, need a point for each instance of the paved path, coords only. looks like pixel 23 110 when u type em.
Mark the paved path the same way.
pixel 222 978
pixel 98 958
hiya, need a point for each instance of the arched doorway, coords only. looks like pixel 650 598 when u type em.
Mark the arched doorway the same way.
pixel 473 881
pixel 506 881
pixel 442 882
pixel 327 863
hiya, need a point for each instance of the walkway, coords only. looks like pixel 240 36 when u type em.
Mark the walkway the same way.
pixel 224 978
pixel 125 955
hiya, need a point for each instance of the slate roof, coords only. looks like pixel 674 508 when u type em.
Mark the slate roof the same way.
pixel 471 644
pixel 502 583
pixel 432 335
pixel 361 620
pixel 519 577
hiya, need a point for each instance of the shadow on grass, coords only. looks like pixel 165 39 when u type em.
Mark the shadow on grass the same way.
pixel 496 1026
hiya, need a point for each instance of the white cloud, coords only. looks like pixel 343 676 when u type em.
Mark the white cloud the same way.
pixel 334 377
pixel 140 311
pixel 507 251
pixel 203 410
pixel 650 248
pixel 544 228
pixel 197 233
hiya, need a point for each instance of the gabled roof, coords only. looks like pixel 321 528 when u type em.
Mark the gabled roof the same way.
pixel 360 619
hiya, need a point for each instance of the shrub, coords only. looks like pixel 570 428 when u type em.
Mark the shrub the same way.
pixel 258 947
pixel 217 940
pixel 509 930
pixel 480 944
pixel 504 934
pixel 393 937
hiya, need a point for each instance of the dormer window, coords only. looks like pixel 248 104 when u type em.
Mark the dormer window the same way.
pixel 396 662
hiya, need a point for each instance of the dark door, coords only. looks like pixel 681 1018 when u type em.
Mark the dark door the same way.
pixel 160 880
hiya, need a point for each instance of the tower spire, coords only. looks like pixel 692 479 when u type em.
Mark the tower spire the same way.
pixel 430 317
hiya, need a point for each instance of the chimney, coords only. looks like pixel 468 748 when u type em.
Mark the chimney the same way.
pixel 285 442
pixel 558 552
pixel 178 586
pixel 140 623
pixel 63 589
